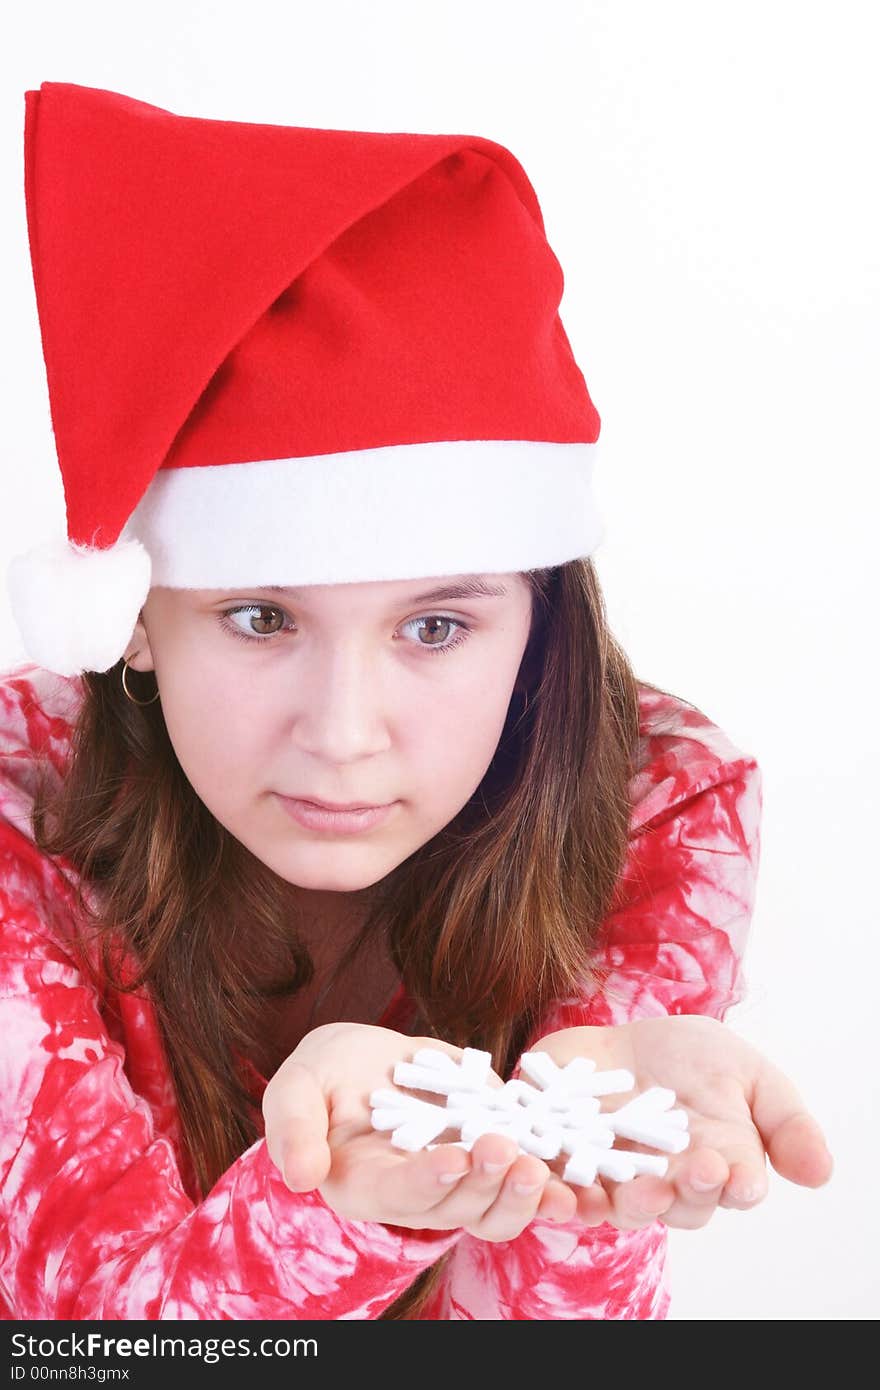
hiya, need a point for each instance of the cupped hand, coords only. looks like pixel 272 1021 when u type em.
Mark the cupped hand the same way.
pixel 741 1109
pixel 319 1135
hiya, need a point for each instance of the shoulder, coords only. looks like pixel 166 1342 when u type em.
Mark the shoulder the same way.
pixel 38 711
pixel 674 938
pixel 683 753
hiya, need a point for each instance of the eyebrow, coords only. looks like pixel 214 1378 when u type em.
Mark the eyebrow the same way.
pixel 468 588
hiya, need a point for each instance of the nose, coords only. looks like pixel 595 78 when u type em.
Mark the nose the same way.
pixel 340 714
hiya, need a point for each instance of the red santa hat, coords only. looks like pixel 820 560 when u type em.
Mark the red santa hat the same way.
pixel 285 355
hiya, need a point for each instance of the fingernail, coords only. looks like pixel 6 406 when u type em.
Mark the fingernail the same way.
pixel 450 1177
pixel 494 1167
pixel 751 1193
pixel 522 1189
pixel 700 1185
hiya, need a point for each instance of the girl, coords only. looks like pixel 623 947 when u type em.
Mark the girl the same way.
pixel 327 461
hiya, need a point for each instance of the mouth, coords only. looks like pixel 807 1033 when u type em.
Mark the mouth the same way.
pixel 318 816
pixel 340 805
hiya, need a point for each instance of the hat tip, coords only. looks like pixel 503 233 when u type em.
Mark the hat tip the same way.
pixel 76 607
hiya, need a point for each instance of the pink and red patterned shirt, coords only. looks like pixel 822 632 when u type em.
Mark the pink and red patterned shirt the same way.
pixel 99 1213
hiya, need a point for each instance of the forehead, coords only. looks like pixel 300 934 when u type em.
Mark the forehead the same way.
pixel 454 586
pixel 447 587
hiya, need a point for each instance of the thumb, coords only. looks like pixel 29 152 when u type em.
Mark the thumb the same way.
pixel 296 1127
pixel 792 1137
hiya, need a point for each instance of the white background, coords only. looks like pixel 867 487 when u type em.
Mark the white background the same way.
pixel 708 177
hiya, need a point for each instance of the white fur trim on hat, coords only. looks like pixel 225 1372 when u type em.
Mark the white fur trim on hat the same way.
pixel 76 608
pixel 404 511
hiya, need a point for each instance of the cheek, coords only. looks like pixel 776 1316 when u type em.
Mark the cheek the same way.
pixel 214 736
pixel 452 742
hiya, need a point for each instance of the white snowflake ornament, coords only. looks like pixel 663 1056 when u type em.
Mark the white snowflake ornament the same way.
pixel 561 1113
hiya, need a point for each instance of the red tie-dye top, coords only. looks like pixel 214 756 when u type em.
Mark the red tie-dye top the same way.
pixel 99 1216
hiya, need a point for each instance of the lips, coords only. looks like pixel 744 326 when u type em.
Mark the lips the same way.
pixel 312 816
pixel 341 805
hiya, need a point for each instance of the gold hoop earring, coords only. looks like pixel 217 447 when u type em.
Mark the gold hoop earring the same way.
pixel 131 697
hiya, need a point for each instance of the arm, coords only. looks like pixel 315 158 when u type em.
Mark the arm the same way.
pixel 673 944
pixel 96 1220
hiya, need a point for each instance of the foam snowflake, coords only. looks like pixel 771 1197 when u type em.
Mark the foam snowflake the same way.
pixel 561 1113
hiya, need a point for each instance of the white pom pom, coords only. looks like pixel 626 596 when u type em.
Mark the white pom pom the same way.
pixel 77 608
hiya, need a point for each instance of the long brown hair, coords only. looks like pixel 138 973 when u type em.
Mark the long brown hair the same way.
pixel 489 923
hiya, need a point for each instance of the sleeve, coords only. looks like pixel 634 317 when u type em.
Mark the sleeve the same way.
pixel 95 1222
pixel 673 944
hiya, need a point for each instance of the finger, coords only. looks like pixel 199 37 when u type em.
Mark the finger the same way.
pixel 493 1159
pixel 747 1185
pixel 433 1178
pixel 516 1203
pixel 422 1183
pixel 368 1177
pixel 296 1119
pixel 792 1137
pixel 700 1174
pixel 559 1202
pixel 638 1202
pixel 593 1205
pixel 698 1183
pixel 454 1185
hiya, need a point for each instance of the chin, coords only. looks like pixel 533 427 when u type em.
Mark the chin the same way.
pixel 330 882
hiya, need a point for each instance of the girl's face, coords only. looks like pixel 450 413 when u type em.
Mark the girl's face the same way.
pixel 387 691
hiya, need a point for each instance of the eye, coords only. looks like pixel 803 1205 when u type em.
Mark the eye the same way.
pixel 445 622
pixel 258 608
pixel 461 634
